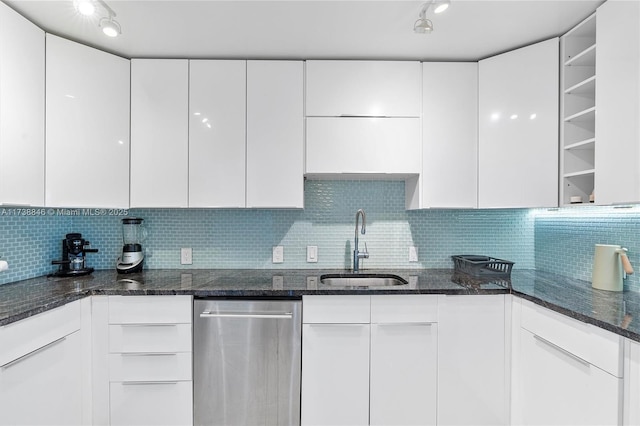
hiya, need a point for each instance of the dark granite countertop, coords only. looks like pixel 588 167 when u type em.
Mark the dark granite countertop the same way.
pixel 616 312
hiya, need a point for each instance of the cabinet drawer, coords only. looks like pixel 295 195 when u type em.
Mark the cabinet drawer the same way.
pixel 593 344
pixel 25 336
pixel 149 366
pixel 404 309
pixel 150 338
pixel 148 403
pixel 149 309
pixel 336 309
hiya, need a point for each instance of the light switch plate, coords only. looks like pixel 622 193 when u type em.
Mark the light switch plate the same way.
pixel 413 254
pixel 312 254
pixel 278 254
pixel 186 256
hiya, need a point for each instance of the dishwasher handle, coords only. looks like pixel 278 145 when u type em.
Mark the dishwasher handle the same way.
pixel 248 315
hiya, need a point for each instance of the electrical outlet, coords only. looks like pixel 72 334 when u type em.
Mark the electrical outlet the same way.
pixel 312 283
pixel 278 254
pixel 186 256
pixel 413 254
pixel 312 254
pixel 278 282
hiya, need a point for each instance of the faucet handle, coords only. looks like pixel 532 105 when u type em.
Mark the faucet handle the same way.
pixel 365 253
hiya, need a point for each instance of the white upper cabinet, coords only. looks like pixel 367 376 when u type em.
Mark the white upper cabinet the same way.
pixel 363 88
pixel 449 135
pixel 617 92
pixel 518 128
pixel 87 134
pixel 217 111
pixel 363 117
pixel 275 134
pixel 159 133
pixel 22 56
pixel 363 145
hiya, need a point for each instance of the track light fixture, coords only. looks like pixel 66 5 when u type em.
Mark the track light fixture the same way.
pixel 110 27
pixel 424 25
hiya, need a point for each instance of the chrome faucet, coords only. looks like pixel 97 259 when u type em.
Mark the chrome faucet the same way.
pixel 357 254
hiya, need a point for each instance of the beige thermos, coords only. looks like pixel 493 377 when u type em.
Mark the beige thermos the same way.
pixel 608 263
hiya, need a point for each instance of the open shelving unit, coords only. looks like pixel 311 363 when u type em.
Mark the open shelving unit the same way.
pixel 578 112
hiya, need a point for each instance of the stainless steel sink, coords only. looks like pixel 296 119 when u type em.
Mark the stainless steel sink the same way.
pixel 362 280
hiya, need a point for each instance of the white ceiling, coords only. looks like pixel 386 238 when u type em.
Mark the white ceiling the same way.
pixel 303 29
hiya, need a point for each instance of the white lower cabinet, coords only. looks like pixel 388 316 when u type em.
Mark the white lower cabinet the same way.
pixel 40 369
pixel 569 372
pixel 143 373
pixel 403 374
pixel 632 383
pixel 473 359
pixel 369 360
pixel 335 374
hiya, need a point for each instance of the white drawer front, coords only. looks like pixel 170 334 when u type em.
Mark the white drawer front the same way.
pixel 27 335
pixel 147 403
pixel 150 366
pixel 336 309
pixel 386 309
pixel 149 309
pixel 593 344
pixel 150 338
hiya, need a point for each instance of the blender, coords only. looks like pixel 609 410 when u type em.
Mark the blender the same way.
pixel 133 234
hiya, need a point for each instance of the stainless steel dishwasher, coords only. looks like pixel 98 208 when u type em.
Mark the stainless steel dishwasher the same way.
pixel 246 362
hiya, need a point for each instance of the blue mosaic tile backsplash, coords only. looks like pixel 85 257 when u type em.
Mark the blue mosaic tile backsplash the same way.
pixel 243 238
pixel 565 239
pixel 559 241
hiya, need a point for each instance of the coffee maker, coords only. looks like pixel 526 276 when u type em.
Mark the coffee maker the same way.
pixel 72 264
pixel 133 234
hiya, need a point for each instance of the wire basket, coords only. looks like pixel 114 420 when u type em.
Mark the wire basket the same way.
pixel 482 266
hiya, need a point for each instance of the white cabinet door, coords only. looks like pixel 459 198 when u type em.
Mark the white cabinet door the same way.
pixel 518 128
pixel 275 134
pixel 22 76
pixel 363 145
pixel 449 135
pixel 87 150
pixel 335 375
pixel 632 383
pixel 617 148
pixel 472 364
pixel 45 386
pixel 403 378
pixel 558 388
pixel 363 88
pixel 159 133
pixel 217 126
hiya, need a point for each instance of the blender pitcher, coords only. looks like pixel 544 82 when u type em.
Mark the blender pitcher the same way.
pixel 133 234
